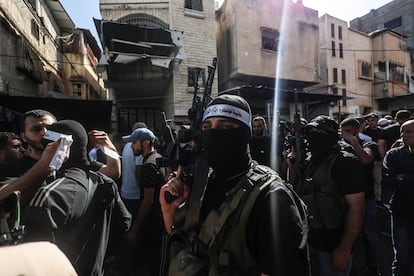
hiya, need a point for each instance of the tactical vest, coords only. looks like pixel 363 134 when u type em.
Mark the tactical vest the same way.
pixel 221 243
pixel 326 205
pixel 225 230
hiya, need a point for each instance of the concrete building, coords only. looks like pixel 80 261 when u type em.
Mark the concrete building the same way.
pixel 392 72
pixel 397 16
pixel 268 49
pixel 152 52
pixel 357 66
pixel 81 54
pixel 341 51
pixel 31 62
pixel 42 57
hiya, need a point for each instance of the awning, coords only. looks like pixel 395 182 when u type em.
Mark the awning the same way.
pixel 284 95
pixel 93 114
pixel 127 43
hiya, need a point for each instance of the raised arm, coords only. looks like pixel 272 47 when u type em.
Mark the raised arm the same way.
pixel 112 168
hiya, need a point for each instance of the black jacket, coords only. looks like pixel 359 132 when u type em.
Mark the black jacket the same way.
pixel 76 214
pixel 398 173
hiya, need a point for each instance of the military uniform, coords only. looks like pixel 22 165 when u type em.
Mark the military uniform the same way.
pixel 261 239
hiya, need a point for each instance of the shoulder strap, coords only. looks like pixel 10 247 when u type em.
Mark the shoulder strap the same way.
pixel 197 191
pixel 251 185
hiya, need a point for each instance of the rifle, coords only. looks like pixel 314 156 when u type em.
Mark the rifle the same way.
pixel 169 152
pixel 298 140
pixel 196 105
pixel 190 162
pixel 295 175
pixel 195 113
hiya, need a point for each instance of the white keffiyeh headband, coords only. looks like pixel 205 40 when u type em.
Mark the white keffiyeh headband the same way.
pixel 230 111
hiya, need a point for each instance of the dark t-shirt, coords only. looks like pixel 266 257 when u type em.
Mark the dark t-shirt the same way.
pixel 369 179
pixel 347 172
pixel 59 213
pixel 19 167
pixel 375 134
pixel 260 150
pixel 392 134
pixel 398 174
pixel 153 227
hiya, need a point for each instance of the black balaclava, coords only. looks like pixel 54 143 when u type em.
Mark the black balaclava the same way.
pixel 227 150
pixel 78 156
pixel 322 143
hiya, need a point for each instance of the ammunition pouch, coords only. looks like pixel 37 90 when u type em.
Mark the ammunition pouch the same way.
pixel 326 211
pixel 183 254
pixel 326 205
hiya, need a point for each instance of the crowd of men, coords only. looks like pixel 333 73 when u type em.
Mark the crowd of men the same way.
pixel 117 210
pixel 357 165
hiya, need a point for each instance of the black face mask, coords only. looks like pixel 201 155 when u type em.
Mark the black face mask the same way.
pixel 226 150
pixel 320 143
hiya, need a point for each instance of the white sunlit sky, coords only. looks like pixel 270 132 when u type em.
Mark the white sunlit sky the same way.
pixel 82 11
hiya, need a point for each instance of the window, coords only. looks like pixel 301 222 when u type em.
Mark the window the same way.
pixel 77 89
pixel 397 72
pixel 270 39
pixel 194 5
pixel 35 29
pixel 333 48
pixel 344 97
pixel 332 30
pixel 340 32
pixel 144 20
pixel 192 76
pixel 343 73
pixel 341 50
pixel 335 75
pixel 382 66
pixel 365 69
pixel 397 22
pixel 334 92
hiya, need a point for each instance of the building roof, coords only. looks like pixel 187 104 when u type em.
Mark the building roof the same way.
pixel 385 30
pixel 60 15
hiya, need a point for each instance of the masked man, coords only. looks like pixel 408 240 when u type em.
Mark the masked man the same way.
pixel 74 206
pixel 250 221
pixel 332 185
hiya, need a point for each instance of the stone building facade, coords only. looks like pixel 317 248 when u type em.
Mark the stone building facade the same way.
pixel 141 88
pixel 42 56
pixel 29 54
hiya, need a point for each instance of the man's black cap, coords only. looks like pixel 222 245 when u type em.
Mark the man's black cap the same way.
pixel 325 123
pixel 403 114
pixel 371 115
